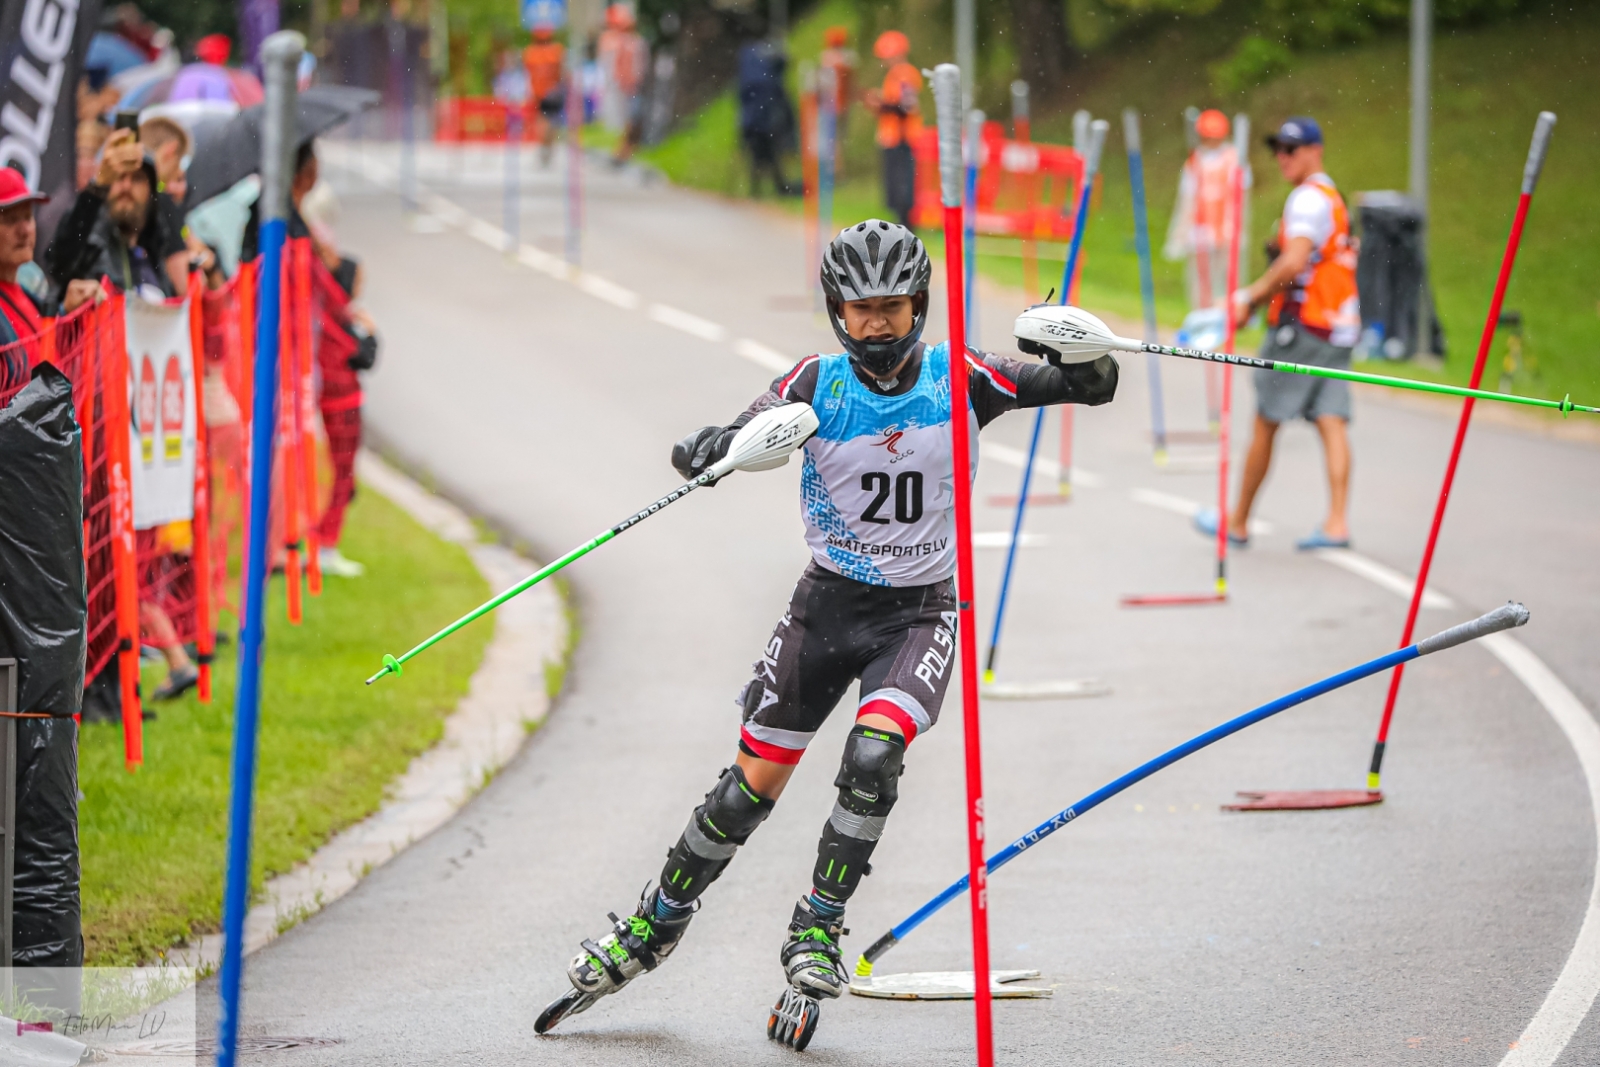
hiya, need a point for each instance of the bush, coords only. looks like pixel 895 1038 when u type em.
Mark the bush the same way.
pixel 1251 63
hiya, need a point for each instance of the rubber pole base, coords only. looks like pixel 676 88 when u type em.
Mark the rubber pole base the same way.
pixel 1305 800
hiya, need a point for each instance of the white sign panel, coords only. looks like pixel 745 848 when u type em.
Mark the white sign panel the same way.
pixel 161 401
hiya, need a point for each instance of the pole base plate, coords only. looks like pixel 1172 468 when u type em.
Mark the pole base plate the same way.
pixel 1034 500
pixel 1173 600
pixel 1304 799
pixel 1063 689
pixel 946 985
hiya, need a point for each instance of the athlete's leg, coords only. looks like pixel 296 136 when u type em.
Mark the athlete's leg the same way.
pixel 902 688
pixel 1256 464
pixel 1336 449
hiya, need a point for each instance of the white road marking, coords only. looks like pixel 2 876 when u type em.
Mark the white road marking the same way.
pixel 1572 997
pixel 426 223
pixel 758 353
pixel 1049 468
pixel 694 325
pixel 607 290
pixel 1379 574
pixel 448 212
pixel 1573 994
pixel 544 262
pixel 1182 505
pixel 493 236
pixel 1002 539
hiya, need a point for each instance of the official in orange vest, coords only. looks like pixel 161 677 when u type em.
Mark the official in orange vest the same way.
pixel 1313 317
pixel 545 59
pixel 899 122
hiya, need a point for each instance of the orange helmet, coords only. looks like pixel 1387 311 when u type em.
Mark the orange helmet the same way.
pixel 835 37
pixel 892 44
pixel 620 17
pixel 1212 125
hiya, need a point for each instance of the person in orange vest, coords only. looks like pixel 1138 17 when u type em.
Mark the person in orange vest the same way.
pixel 1314 317
pixel 839 58
pixel 1198 233
pixel 624 59
pixel 899 122
pixel 545 59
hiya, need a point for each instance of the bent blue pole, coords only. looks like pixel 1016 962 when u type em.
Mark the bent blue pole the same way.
pixel 1097 137
pixel 1502 618
pixel 1147 281
pixel 280 56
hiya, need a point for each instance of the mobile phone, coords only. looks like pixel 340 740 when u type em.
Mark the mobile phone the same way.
pixel 127 120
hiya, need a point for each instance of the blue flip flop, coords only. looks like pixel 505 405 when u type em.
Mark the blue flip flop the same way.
pixel 1205 521
pixel 1318 539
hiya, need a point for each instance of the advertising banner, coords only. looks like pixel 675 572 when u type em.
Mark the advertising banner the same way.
pixel 161 403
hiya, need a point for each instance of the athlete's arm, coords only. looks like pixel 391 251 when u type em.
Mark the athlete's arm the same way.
pixel 705 446
pixel 1002 383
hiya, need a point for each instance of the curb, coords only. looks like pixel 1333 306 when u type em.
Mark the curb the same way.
pixel 507 701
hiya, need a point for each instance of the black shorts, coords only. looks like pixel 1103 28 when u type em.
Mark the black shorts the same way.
pixel 900 641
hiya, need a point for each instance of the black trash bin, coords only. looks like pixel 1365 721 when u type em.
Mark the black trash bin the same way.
pixel 1389 275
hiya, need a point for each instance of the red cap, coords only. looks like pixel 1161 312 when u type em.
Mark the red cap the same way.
pixel 891 44
pixel 14 189
pixel 835 36
pixel 213 48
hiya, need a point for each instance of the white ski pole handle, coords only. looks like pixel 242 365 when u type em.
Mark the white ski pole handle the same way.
pixel 1536 151
pixel 1097 142
pixel 1130 130
pixel 947 105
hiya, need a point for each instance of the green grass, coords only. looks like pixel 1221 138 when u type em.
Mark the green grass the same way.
pixel 1489 84
pixel 153 842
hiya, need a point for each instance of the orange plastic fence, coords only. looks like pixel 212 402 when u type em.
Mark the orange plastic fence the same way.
pixel 476 118
pixel 188 571
pixel 1025 189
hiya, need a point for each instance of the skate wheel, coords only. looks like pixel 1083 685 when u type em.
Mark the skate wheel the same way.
pixel 569 1003
pixel 793 1020
pixel 810 1012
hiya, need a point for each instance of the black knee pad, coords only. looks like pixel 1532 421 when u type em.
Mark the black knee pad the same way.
pixel 729 815
pixel 869 773
pixel 869 784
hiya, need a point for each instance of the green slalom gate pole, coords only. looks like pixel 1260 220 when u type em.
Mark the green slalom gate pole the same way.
pixel 1563 405
pixel 392 664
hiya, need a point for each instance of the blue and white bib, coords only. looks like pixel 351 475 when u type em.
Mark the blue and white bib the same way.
pixel 877 483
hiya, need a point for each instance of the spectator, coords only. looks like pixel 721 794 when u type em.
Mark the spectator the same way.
pixel 20 310
pixel 340 354
pixel 1197 234
pixel 170 148
pixel 766 118
pixel 837 56
pixel 114 229
pixel 545 61
pixel 91 137
pixel 899 122
pixel 1313 317
pixel 624 62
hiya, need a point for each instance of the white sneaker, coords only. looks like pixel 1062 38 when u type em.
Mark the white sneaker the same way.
pixel 333 563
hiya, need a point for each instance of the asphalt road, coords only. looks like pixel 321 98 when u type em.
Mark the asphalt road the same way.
pixel 1427 930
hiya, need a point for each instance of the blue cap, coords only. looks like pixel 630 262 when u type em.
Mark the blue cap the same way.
pixel 1300 130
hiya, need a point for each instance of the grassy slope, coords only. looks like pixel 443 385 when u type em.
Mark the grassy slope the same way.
pixel 153 842
pixel 1489 84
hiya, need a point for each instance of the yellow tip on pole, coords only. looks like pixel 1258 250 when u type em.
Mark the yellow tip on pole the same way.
pixel 1372 782
pixel 863 968
pixel 988 677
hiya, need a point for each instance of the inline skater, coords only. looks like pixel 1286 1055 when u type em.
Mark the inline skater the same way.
pixel 877 603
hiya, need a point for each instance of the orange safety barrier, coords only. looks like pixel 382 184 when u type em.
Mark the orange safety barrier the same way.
pixel 186 572
pixel 460 119
pixel 1025 189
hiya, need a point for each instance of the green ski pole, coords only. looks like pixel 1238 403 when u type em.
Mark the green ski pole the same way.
pixel 392 664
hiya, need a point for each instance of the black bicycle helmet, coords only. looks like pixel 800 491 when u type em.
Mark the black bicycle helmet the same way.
pixel 876 258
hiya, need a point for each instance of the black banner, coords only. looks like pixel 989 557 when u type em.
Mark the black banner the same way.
pixel 42 45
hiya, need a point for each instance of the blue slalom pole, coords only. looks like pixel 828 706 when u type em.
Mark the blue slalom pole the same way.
pixel 827 125
pixel 1147 282
pixel 1502 618
pixel 1097 137
pixel 1011 549
pixel 969 215
pixel 280 55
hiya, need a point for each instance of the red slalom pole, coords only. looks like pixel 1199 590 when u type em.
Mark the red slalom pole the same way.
pixel 947 100
pixel 1542 130
pixel 1241 130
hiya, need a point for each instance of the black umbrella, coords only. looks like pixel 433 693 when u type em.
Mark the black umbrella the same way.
pixel 228 150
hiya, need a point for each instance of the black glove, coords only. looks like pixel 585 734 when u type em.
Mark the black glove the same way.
pixel 1092 383
pixel 366 354
pixel 692 455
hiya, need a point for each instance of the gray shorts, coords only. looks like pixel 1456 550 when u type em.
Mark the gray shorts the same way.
pixel 1281 397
